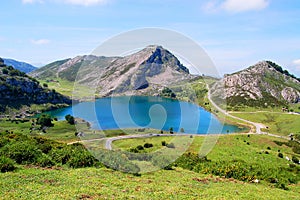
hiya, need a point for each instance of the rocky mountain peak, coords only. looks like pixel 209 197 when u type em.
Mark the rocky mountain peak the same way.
pixel 260 84
pixel 133 74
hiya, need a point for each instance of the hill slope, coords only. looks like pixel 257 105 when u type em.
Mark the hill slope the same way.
pixel 261 84
pixel 146 71
pixel 17 89
pixel 21 66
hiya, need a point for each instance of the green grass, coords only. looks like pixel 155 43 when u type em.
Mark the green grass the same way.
pixel 227 147
pixel 133 143
pixel 278 123
pixel 92 183
pixel 257 155
pixel 67 88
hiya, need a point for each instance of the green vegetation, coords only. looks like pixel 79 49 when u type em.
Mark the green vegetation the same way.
pixel 279 69
pixel 102 183
pixel 70 119
pixel 19 90
pixel 28 150
pixel 45 121
pixel 67 88
pixel 253 157
pixel 277 123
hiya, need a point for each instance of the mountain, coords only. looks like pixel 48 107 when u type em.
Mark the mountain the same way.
pixel 144 72
pixel 18 89
pixel 265 83
pixel 21 66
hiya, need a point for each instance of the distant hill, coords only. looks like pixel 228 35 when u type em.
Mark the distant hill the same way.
pixel 21 66
pixel 144 72
pixel 18 89
pixel 262 84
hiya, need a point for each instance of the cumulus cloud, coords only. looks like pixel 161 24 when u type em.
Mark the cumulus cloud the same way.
pixel 73 2
pixel 235 6
pixel 40 42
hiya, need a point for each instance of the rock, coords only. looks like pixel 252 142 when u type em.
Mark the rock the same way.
pixel 259 84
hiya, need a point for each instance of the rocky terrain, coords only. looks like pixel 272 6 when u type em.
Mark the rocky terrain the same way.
pixel 144 72
pixel 17 88
pixel 262 84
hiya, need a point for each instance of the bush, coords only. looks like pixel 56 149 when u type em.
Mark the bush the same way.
pixel 140 147
pixel 162 161
pixel 171 145
pixel 148 145
pixel 44 161
pixel 23 152
pixel 6 164
pixel 45 120
pixel 280 155
pixel 295 159
pixel 163 143
pixel 70 119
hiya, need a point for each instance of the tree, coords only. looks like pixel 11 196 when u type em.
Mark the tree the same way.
pixel 4 71
pixel 70 119
pixel 181 130
pixel 45 121
pixel 171 130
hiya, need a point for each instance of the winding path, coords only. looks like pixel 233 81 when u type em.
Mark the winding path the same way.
pixel 257 126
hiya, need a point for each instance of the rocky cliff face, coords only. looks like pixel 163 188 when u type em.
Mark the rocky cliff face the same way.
pixel 18 88
pixel 259 84
pixel 146 71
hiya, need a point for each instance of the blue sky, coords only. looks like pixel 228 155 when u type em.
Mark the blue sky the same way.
pixel 234 33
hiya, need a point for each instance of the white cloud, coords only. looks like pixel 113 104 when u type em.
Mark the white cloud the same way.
pixel 244 5
pixel 40 42
pixel 235 6
pixel 31 1
pixel 73 2
pixel 85 2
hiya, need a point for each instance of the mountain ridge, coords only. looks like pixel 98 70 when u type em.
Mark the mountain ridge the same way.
pixel 18 89
pixel 257 85
pixel 145 71
pixel 19 65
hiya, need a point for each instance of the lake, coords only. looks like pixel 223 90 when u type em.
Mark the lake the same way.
pixel 146 112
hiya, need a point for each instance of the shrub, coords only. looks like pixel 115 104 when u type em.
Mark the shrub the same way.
pixel 6 164
pixel 148 145
pixel 280 155
pixel 4 71
pixel 295 159
pixel 162 161
pixel 45 120
pixel 269 148
pixel 163 143
pixel 23 152
pixel 171 145
pixel 140 147
pixel 45 161
pixel 70 119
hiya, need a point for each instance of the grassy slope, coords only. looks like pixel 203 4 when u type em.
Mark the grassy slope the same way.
pixel 278 123
pixel 92 183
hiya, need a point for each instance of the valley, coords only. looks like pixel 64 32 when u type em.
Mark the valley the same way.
pixel 255 154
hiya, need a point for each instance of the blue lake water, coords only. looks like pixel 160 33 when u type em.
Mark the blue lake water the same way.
pixel 146 112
